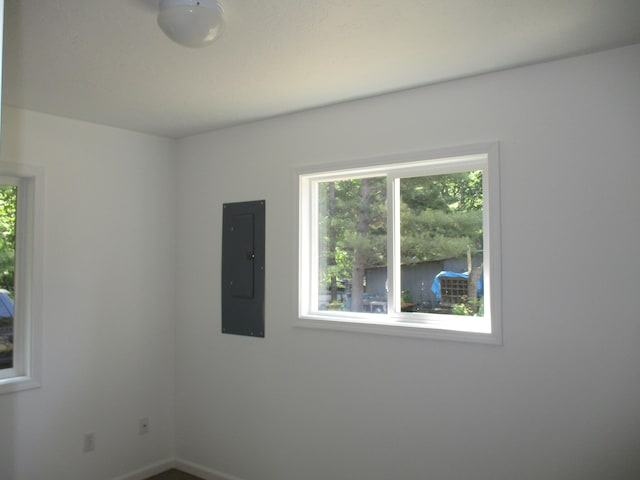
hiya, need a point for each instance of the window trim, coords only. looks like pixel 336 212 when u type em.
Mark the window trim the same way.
pixel 26 373
pixel 434 326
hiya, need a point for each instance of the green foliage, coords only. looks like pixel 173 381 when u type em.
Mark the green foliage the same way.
pixel 340 210
pixel 449 192
pixel 8 205
pixel 336 305
pixel 440 216
pixel 469 307
pixel 436 234
pixel 406 296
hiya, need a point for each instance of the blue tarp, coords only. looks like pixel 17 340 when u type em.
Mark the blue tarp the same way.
pixel 6 305
pixel 435 286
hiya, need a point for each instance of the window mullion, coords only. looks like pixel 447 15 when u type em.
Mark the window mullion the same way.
pixel 393 244
pixel 315 247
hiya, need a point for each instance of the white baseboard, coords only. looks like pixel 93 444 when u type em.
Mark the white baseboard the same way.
pixel 149 470
pixel 184 465
pixel 202 472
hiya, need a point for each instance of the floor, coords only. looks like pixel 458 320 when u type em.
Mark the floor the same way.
pixel 174 474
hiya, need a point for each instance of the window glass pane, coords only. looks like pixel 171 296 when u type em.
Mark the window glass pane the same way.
pixel 8 203
pixel 441 228
pixel 352 243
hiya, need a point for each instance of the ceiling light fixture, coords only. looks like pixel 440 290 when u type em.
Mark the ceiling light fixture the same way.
pixel 189 22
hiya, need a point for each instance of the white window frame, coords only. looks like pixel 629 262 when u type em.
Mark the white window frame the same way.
pixel 486 329
pixel 27 322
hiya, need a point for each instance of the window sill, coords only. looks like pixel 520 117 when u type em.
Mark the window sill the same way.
pixel 395 327
pixel 17 384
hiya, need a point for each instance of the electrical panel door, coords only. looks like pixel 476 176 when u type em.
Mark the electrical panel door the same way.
pixel 243 261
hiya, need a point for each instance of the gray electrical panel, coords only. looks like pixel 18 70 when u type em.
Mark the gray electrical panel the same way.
pixel 243 262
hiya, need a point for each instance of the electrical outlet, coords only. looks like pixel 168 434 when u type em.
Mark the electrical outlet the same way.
pixel 144 426
pixel 89 442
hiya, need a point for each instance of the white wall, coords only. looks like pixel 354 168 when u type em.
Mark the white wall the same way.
pixel 108 302
pixel 560 399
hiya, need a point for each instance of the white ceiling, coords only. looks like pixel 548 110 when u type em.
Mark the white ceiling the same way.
pixel 106 61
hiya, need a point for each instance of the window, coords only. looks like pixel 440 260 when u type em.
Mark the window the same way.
pixel 8 207
pixel 20 276
pixel 406 245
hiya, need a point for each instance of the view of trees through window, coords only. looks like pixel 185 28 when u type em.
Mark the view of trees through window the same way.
pixel 353 238
pixel 8 208
pixel 441 238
